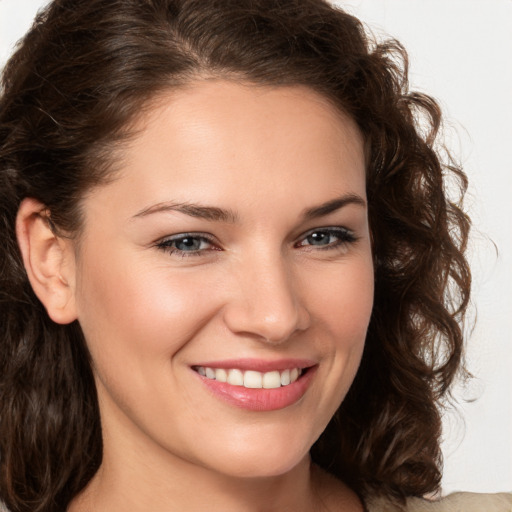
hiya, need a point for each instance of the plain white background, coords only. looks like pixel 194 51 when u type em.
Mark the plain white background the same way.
pixel 460 53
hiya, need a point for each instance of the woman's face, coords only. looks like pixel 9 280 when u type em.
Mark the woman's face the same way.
pixel 225 280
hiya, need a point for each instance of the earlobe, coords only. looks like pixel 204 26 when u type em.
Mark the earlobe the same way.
pixel 49 261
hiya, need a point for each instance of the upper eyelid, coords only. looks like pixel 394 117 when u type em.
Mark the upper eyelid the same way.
pixel 179 236
pixel 327 229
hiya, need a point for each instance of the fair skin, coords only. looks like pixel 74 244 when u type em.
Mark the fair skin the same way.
pixel 234 238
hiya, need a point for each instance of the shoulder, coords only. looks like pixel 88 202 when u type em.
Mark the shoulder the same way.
pixel 457 502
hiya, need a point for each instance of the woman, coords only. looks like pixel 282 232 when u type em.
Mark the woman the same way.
pixel 230 264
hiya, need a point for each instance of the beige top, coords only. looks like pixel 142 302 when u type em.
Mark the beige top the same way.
pixel 457 502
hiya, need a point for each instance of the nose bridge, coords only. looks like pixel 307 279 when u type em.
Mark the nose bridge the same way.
pixel 266 302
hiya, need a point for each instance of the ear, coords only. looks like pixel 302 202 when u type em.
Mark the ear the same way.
pixel 49 261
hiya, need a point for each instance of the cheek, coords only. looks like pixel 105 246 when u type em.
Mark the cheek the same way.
pixel 342 311
pixel 130 314
pixel 342 304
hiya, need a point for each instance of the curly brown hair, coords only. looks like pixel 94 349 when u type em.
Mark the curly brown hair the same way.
pixel 69 93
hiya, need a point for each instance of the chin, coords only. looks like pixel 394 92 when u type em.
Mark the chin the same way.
pixel 263 467
pixel 262 459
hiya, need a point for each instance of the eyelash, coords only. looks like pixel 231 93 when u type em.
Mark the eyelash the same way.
pixel 167 244
pixel 344 237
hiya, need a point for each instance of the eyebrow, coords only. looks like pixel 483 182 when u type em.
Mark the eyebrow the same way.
pixel 213 213
pixel 333 205
pixel 193 210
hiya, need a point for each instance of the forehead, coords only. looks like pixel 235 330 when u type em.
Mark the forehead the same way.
pixel 215 104
pixel 218 140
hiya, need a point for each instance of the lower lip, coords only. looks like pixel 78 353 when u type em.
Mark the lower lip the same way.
pixel 261 399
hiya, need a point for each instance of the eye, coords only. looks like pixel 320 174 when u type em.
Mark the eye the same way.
pixel 327 238
pixel 187 244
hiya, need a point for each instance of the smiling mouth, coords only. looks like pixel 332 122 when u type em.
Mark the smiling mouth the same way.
pixel 252 379
pixel 258 385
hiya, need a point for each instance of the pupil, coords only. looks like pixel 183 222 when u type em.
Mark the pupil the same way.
pixel 188 243
pixel 318 239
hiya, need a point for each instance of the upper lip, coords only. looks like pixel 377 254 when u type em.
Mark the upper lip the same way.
pixel 260 365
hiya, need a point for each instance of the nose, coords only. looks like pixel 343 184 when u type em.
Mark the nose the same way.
pixel 265 301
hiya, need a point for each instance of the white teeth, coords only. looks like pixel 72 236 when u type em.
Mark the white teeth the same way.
pixel 250 378
pixel 235 378
pixel 271 380
pixel 285 378
pixel 221 375
pixel 253 379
